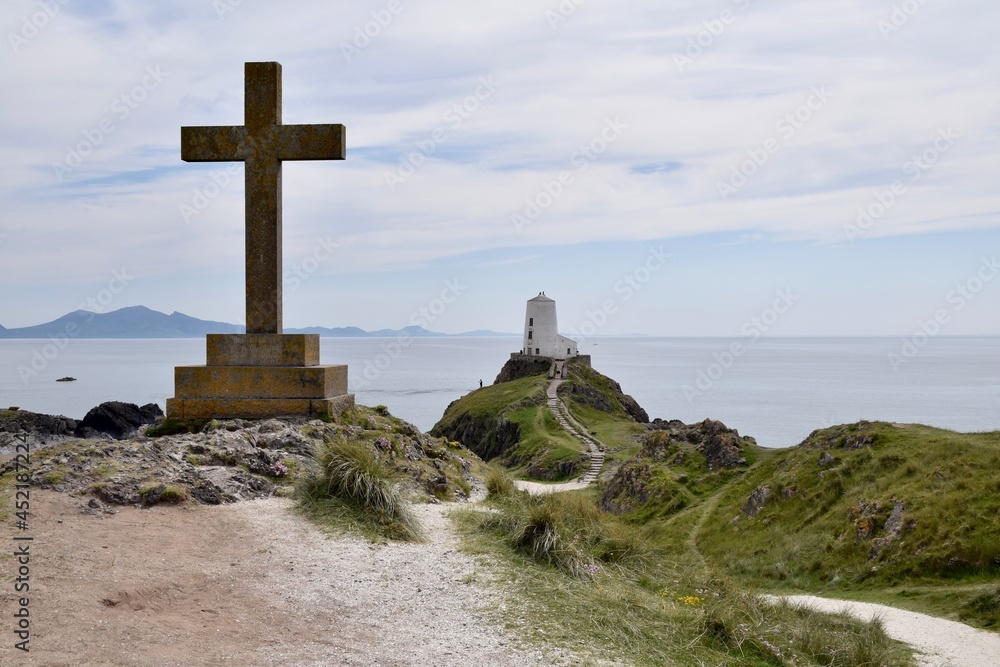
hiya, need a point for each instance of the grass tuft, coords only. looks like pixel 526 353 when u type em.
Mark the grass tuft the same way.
pixel 351 484
pixel 566 531
pixel 499 484
pixel 779 632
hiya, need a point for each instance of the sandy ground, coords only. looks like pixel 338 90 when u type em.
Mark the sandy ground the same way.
pixel 942 642
pixel 246 584
pixel 540 489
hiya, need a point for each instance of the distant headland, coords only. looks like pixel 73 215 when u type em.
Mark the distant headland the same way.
pixel 143 322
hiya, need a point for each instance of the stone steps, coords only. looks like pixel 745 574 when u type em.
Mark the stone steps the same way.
pixel 559 410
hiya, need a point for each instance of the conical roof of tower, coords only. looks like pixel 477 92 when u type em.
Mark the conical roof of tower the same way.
pixel 541 297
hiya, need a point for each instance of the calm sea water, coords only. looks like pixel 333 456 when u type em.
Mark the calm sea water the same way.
pixel 778 390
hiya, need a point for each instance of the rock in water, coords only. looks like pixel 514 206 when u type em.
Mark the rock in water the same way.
pixel 119 420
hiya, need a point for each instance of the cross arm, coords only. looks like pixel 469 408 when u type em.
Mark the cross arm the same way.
pixel 212 144
pixel 311 142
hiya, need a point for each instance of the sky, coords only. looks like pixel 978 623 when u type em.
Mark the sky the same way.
pixel 723 168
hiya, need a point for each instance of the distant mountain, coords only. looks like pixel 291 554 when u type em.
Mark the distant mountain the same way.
pixel 132 322
pixel 142 322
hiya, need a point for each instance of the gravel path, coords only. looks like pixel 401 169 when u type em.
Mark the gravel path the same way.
pixel 943 643
pixel 401 604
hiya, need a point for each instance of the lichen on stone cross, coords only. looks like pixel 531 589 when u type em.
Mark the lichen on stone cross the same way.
pixel 263 143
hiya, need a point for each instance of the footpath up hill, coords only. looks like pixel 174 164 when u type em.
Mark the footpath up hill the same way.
pixel 510 422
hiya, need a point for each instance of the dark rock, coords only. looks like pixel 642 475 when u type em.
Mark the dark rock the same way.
pixel 522 367
pixel 755 503
pixel 721 446
pixel 633 409
pixel 123 492
pixel 584 394
pixel 846 436
pixel 66 379
pixel 118 420
pixel 629 488
pixel 825 460
pixel 32 423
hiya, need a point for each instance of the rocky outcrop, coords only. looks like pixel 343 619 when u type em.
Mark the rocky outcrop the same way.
pixel 231 460
pixel 39 426
pixel 488 435
pixel 668 465
pixel 628 489
pixel 118 420
pixel 755 503
pixel 523 367
pixel 591 388
pixel 632 407
pixel 874 521
pixel 721 446
pixel 848 437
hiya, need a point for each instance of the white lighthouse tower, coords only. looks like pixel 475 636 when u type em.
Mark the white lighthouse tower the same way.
pixel 541 331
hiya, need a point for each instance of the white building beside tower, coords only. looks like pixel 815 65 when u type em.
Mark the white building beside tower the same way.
pixel 541 331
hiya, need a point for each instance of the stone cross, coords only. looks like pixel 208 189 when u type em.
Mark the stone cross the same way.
pixel 263 143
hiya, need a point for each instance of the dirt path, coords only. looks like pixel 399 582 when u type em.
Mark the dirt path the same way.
pixel 942 642
pixel 247 584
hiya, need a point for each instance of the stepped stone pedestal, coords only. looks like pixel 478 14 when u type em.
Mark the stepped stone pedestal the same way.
pixel 257 376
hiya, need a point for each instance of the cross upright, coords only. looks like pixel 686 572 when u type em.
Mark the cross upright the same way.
pixel 263 143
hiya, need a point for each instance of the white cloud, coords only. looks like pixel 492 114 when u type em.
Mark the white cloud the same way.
pixel 686 129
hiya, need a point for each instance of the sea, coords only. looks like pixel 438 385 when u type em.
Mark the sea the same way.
pixel 777 390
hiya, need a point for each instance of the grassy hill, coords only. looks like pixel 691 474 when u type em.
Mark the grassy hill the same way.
pixel 509 422
pixel 904 514
pixel 869 501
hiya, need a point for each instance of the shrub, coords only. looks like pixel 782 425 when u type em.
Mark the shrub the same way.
pixel 349 476
pixel 566 531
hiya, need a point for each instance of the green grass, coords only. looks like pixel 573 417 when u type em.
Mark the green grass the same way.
pixel 618 432
pixel 945 483
pixel 510 422
pixel 640 605
pixel 499 483
pixel 155 493
pixel 352 488
pixel 567 531
pixel 544 446
pixel 826 529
